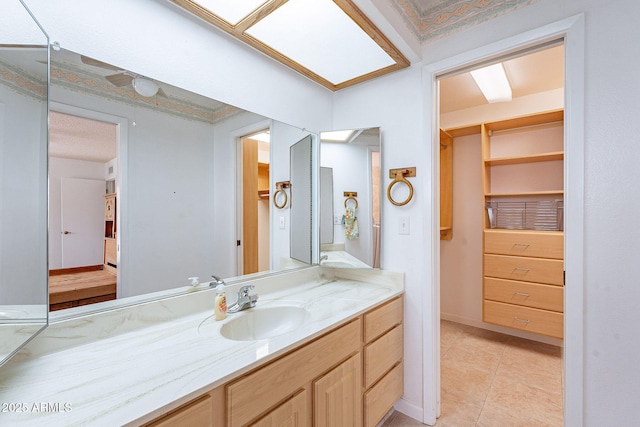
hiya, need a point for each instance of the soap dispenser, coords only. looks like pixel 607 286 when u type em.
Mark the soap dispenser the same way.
pixel 220 303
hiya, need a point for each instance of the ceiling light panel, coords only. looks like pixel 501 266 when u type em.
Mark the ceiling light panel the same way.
pixel 493 83
pixel 232 11
pixel 336 136
pixel 321 37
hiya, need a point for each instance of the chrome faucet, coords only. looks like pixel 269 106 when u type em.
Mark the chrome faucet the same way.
pixel 216 281
pixel 244 300
pixel 324 257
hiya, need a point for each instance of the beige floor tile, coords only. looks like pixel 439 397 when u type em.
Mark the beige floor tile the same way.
pixel 513 400
pixel 545 379
pixel 466 381
pixel 459 411
pixel 477 357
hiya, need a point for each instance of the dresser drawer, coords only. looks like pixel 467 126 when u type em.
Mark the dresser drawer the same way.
pixel 382 319
pixel 547 297
pixel 524 318
pixel 538 270
pixel 539 244
pixel 383 395
pixel 382 354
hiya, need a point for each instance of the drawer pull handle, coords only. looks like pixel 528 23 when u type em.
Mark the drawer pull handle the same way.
pixel 524 245
pixel 521 294
pixel 525 270
pixel 521 320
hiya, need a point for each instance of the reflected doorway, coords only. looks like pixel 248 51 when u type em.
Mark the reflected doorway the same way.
pixel 82 211
pixel 255 240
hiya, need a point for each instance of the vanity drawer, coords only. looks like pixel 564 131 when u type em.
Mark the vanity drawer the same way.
pixel 547 297
pixel 262 389
pixel 382 319
pixel 539 244
pixel 524 318
pixel 539 270
pixel 383 395
pixel 382 354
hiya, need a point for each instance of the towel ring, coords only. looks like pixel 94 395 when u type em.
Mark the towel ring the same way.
pixel 400 177
pixel 280 186
pixel 350 196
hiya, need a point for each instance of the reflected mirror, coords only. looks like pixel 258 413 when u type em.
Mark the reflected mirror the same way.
pixel 23 177
pixel 350 198
pixel 152 186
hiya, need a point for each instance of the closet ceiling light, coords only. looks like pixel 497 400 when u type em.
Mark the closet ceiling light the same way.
pixel 329 41
pixel 261 136
pixel 493 83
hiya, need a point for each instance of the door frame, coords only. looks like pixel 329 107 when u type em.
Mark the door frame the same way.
pixel 236 139
pixel 572 31
pixel 122 132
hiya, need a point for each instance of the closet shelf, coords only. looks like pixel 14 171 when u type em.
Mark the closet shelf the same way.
pixel 533 158
pixel 525 193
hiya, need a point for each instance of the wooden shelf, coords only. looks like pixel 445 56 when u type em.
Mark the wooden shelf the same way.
pixel 526 193
pixel 533 158
pixel 528 120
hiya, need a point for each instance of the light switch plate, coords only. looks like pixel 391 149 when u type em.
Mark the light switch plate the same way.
pixel 403 225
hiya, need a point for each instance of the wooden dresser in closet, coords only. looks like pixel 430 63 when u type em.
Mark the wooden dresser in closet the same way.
pixel 523 267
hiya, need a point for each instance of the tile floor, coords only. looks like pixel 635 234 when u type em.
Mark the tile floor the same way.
pixel 490 379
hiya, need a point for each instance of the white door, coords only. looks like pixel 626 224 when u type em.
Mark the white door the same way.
pixel 82 205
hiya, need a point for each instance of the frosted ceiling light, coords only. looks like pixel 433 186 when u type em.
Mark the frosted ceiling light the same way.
pixel 145 87
pixel 493 83
pixel 261 136
pixel 232 11
pixel 320 36
pixel 336 136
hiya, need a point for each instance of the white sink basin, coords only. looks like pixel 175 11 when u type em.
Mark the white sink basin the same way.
pixel 260 323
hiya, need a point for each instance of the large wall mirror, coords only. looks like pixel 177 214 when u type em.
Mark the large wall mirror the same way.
pixel 350 198
pixel 23 177
pixel 151 185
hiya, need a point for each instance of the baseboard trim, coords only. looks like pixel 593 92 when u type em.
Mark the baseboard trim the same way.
pixel 409 409
pixel 75 270
pixel 508 331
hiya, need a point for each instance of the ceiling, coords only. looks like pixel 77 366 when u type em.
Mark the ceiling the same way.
pixel 537 72
pixel 78 138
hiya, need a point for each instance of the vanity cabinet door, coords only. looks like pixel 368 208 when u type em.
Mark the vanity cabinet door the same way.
pixel 338 396
pixel 292 413
pixel 197 413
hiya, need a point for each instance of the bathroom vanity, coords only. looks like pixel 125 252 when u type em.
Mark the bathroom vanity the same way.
pixel 166 362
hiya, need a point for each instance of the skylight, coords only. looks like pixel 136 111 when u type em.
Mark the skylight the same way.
pixel 329 41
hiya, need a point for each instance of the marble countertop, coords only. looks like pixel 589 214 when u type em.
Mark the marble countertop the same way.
pixel 129 366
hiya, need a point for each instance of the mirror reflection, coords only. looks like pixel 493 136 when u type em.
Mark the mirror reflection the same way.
pixel 350 198
pixel 23 178
pixel 152 186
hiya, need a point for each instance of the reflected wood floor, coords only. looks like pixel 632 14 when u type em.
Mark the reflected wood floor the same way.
pixel 492 379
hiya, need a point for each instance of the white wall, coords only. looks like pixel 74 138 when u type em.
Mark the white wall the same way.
pixel 163 42
pixel 461 257
pixel 23 189
pixel 58 169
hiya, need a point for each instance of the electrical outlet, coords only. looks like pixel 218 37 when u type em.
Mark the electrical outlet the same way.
pixel 281 222
pixel 337 220
pixel 403 225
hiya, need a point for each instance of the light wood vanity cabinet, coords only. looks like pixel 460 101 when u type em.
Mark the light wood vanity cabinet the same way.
pixel 348 377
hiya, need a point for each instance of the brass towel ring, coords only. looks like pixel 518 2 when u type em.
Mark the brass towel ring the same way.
pixel 350 196
pixel 280 186
pixel 398 175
